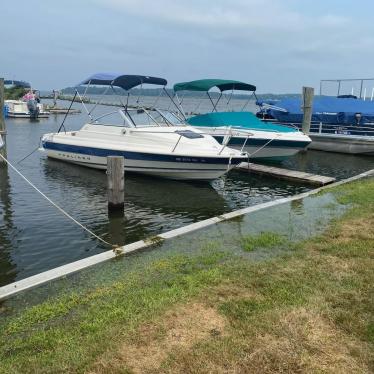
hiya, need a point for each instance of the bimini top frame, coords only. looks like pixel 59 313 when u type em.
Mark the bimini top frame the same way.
pixel 205 85
pixel 112 80
pixel 361 81
pixel 120 80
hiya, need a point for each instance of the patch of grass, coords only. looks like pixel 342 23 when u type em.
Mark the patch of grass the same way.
pixel 263 240
pixel 309 310
pixel 154 240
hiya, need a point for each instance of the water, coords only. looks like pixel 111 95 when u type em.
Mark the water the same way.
pixel 296 220
pixel 35 237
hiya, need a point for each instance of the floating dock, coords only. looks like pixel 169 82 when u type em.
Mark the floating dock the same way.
pixel 294 175
pixel 62 111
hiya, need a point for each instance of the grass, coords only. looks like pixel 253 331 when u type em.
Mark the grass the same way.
pixel 263 240
pixel 309 310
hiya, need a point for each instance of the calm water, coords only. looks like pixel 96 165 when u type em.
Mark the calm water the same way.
pixel 35 237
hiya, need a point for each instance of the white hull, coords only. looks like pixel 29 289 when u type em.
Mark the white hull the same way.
pixel 269 152
pixel 154 168
pixel 261 144
pixel 18 109
pixel 343 144
pixel 156 151
pixel 26 115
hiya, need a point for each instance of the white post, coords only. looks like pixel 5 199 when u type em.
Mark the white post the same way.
pixel 364 93
pixel 372 94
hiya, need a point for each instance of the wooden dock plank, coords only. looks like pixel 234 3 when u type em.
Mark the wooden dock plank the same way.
pixel 294 175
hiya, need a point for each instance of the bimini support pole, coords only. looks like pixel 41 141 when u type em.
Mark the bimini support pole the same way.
pixel 66 114
pixel 179 110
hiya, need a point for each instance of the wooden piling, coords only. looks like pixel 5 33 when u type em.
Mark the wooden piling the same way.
pixel 2 122
pixel 116 182
pixel 307 102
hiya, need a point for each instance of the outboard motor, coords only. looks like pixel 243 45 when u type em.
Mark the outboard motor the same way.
pixel 358 117
pixel 33 108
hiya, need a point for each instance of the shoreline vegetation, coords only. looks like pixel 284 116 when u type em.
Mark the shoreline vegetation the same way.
pixel 14 93
pixel 308 309
pixel 69 92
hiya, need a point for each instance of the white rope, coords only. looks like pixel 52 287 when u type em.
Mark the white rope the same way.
pixel 54 204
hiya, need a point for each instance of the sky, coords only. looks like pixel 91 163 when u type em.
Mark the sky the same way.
pixel 277 45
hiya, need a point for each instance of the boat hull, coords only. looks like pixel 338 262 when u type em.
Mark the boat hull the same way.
pixel 266 148
pixel 177 167
pixel 261 145
pixel 342 144
pixel 26 115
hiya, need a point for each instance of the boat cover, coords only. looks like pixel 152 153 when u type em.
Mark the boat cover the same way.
pixel 207 84
pixel 124 81
pixel 325 109
pixel 244 120
pixel 22 84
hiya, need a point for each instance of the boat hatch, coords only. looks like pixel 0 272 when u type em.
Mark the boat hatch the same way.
pixel 189 134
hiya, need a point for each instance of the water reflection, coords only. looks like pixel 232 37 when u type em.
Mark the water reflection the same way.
pixel 336 165
pixel 7 229
pixel 36 237
pixel 151 205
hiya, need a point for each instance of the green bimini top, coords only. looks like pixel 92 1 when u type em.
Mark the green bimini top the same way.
pixel 207 84
pixel 242 120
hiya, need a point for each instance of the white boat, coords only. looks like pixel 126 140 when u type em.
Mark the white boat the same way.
pixel 161 148
pixel 245 132
pixel 241 129
pixel 21 109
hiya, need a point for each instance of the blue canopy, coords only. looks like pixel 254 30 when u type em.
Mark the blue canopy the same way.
pixel 325 109
pixel 124 81
pixel 243 120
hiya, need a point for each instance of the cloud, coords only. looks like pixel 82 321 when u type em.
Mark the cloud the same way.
pixel 277 44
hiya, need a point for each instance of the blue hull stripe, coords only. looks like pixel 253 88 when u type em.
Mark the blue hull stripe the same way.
pixel 260 142
pixel 100 152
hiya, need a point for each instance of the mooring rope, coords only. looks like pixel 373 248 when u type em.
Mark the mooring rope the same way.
pixel 55 205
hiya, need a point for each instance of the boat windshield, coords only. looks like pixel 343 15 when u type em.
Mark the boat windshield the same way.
pixel 139 118
pixel 150 117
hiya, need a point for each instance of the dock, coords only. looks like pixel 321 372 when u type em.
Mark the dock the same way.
pixel 294 175
pixel 63 111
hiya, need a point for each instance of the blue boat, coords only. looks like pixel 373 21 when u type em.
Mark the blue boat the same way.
pixel 339 124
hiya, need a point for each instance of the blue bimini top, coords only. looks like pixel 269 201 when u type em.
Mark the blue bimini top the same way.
pixel 242 120
pixel 120 80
